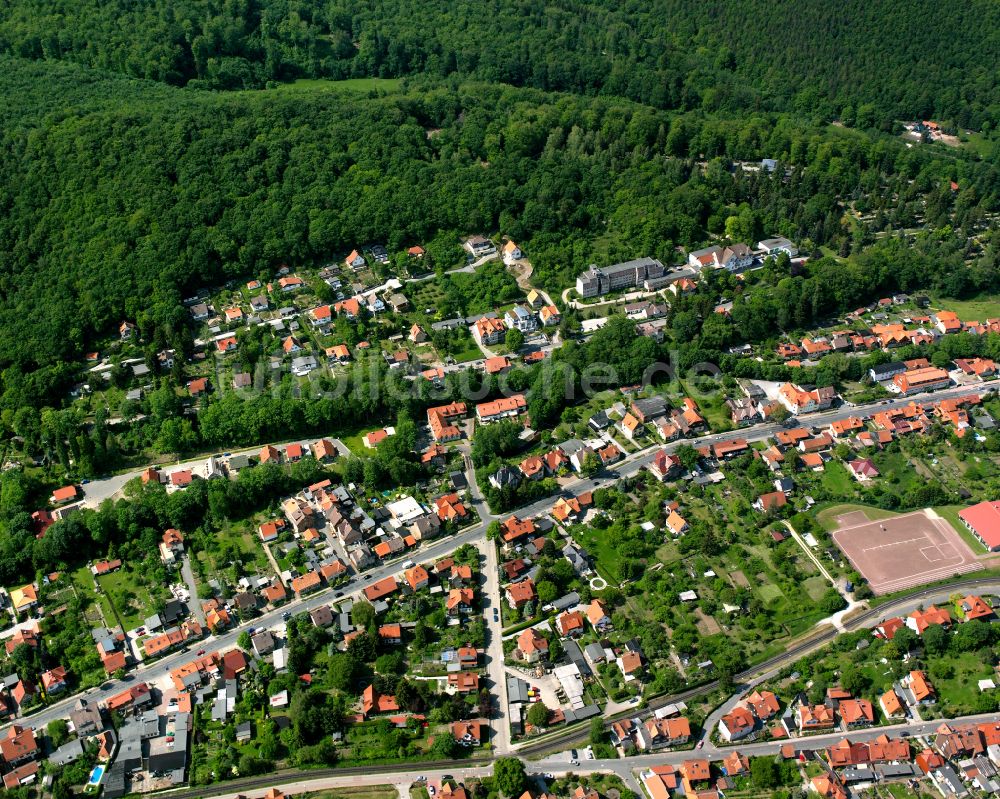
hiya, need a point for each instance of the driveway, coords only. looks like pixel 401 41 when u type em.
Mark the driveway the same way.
pixel 194 605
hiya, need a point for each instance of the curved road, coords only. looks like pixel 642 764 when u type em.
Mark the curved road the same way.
pixel 629 466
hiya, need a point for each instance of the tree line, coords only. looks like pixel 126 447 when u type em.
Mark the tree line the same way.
pixel 870 63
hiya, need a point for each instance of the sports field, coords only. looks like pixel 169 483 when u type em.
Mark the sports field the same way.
pixel 903 551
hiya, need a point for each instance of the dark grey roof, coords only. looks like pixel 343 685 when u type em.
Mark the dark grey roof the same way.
pixel 600 420
pixel 896 770
pixel 574 653
pixel 888 368
pixel 567 601
pixel 583 713
pixel 113 782
pixel 594 651
pixel 448 324
pixel 517 689
pixel 67 753
pixel 651 406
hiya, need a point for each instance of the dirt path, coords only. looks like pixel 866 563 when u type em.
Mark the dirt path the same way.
pixel 522 270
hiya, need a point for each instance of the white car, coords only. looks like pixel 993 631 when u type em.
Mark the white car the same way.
pixel 588 754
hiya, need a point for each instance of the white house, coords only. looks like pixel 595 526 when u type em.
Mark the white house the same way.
pixel 520 318
pixel 304 365
pixel 511 253
pixel 777 245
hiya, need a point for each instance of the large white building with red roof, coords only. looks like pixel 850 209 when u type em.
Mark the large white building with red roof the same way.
pixel 983 520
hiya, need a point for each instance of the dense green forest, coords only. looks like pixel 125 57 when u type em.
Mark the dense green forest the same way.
pixel 869 60
pixel 119 197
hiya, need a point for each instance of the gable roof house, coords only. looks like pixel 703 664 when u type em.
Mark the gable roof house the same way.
pixel 771 501
pixel 736 724
pixel 815 717
pixel 920 620
pixel 531 646
pixel 799 400
pixel 519 594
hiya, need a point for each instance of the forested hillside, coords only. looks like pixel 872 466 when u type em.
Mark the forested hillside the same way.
pixel 872 61
pixel 117 197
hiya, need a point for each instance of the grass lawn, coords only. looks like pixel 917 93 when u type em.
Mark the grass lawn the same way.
pixel 956 679
pixel 769 593
pixel 950 512
pixel 979 144
pixel 363 85
pixel 900 790
pixel 357 792
pixel 816 587
pixel 426 294
pixel 608 561
pixel 134 601
pixel 356 444
pixel 470 353
pixel 83 581
pixel 836 480
pixel 897 469
pixel 982 307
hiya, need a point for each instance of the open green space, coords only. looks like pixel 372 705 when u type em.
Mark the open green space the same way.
pixel 836 479
pixel 355 792
pixel 769 593
pixel 354 85
pixel 979 309
pixel 132 595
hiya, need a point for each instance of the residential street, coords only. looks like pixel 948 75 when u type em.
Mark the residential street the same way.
pixel 628 769
pixel 494 649
pixel 194 605
pixel 474 535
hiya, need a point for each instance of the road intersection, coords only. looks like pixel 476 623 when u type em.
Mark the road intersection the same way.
pixel 475 535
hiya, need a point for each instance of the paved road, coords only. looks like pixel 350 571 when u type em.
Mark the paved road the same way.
pixel 270 620
pixel 194 603
pixel 96 491
pixel 491 610
pixel 769 669
pixel 467 269
pixel 626 768
pixel 494 650
pixel 630 466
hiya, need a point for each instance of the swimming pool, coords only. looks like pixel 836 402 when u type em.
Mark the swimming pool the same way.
pixel 95 775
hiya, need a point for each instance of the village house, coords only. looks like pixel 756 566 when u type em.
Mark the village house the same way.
pixel 521 593
pixel 489 330
pixel 503 408
pixel 531 646
pixel 799 400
